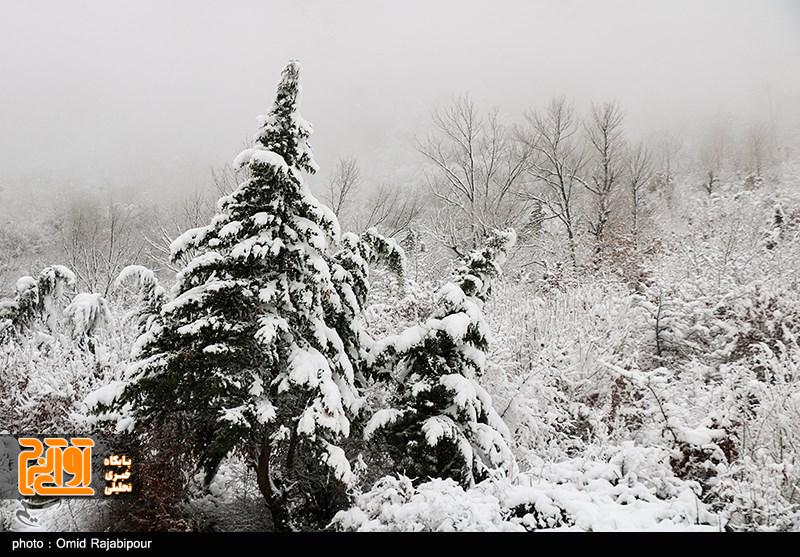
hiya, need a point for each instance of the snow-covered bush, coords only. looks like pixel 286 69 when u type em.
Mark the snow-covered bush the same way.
pixel 152 295
pixel 761 488
pixel 39 303
pixel 439 505
pixel 86 314
pixel 44 384
pixel 614 488
pixel 552 382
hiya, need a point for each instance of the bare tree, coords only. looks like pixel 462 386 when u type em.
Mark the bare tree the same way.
pixel 191 211
pixel 604 132
pixel 99 240
pixel 172 220
pixel 391 209
pixel 712 157
pixel 227 179
pixel 343 183
pixel 558 164
pixel 477 171
pixel 639 172
pixel 667 147
pixel 757 148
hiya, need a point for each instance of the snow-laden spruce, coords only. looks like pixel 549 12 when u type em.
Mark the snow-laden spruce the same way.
pixel 441 422
pixel 248 353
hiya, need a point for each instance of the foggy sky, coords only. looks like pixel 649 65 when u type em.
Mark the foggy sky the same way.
pixel 150 95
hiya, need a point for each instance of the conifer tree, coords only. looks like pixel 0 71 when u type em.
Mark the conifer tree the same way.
pixel 19 314
pixel 152 295
pixel 37 300
pixel 246 355
pixel 440 422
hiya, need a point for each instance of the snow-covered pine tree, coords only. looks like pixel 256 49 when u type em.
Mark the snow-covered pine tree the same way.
pixel 37 299
pixel 19 314
pixel 246 354
pixel 50 289
pixel 440 422
pixel 152 297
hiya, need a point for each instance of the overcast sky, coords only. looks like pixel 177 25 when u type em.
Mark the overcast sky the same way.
pixel 152 94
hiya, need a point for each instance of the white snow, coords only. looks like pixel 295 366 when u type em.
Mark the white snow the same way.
pixel 380 419
pixel 262 156
pixel 24 284
pixel 188 239
pixel 87 313
pixel 264 410
pixel 335 458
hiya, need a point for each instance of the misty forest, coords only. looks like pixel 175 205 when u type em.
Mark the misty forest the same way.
pixel 559 325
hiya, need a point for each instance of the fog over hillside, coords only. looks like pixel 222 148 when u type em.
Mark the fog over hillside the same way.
pixel 152 95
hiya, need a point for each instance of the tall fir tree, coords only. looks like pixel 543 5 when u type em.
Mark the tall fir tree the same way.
pixel 247 355
pixel 439 421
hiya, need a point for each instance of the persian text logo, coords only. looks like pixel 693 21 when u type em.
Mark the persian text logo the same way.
pixel 64 468
pixel 117 476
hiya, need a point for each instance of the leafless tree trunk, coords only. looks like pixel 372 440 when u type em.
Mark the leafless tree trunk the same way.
pixel 712 158
pixel 346 177
pixel 99 241
pixel 477 171
pixel 639 173
pixel 604 131
pixel 557 166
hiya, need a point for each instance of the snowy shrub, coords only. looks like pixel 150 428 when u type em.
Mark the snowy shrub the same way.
pixel 51 286
pixel 768 314
pixel 760 489
pixel 44 386
pixel 38 304
pixel 616 488
pixel 439 505
pixel 624 487
pixel 86 314
pixel 152 295
pixel 553 384
pixel 389 311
